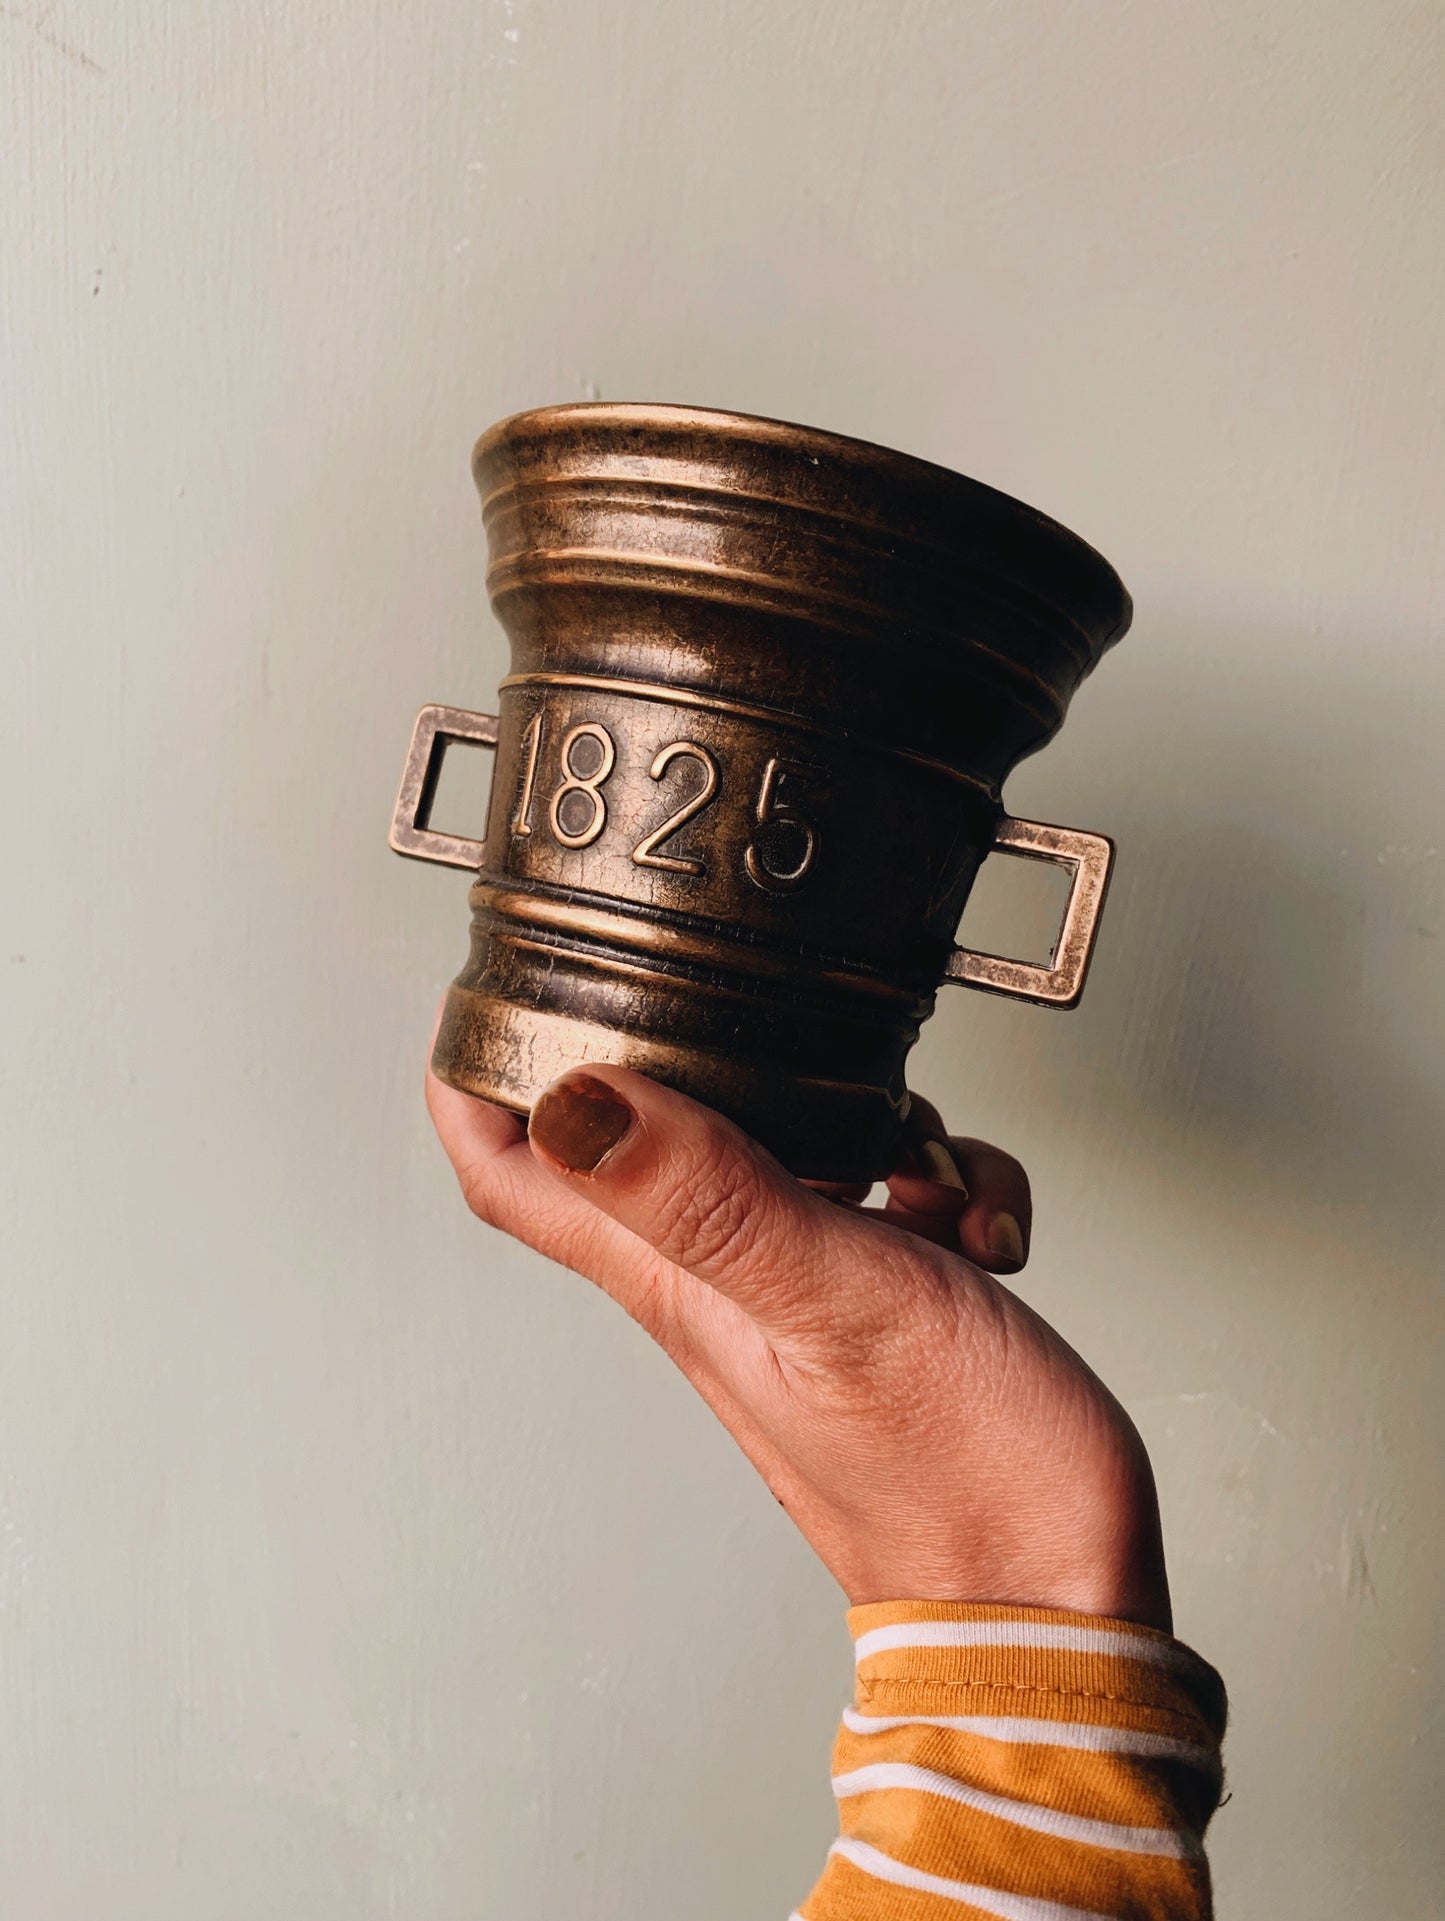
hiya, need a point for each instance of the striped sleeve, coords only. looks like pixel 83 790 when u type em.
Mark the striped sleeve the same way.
pixel 1021 1764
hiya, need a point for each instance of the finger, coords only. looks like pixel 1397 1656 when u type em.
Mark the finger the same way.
pixel 927 1192
pixel 926 1151
pixel 995 1228
pixel 846 1193
pixel 711 1201
pixel 961 1193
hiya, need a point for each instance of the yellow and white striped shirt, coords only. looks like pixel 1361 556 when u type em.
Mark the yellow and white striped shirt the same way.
pixel 1021 1764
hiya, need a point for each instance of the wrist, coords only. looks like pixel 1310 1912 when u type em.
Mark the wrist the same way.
pixel 1086 1540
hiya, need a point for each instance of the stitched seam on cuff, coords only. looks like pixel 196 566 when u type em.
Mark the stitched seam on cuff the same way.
pixel 869 1691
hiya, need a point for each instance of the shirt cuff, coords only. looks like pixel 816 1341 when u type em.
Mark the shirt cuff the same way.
pixel 1021 1764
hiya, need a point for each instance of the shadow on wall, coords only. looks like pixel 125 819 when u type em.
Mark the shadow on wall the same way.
pixel 1263 1039
pixel 1270 974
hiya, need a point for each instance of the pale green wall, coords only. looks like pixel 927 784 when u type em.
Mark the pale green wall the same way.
pixel 354 1564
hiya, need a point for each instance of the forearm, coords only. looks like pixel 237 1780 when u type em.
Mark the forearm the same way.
pixel 1019 1764
pixel 1024 1765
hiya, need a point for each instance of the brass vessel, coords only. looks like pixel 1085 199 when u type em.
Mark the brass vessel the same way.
pixel 766 686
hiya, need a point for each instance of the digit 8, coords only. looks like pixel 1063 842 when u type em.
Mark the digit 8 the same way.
pixel 576 782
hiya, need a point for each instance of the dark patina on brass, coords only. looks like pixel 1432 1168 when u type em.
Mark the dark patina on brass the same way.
pixel 766 686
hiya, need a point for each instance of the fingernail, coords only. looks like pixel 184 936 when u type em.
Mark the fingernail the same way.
pixel 579 1121
pixel 941 1166
pixel 1005 1239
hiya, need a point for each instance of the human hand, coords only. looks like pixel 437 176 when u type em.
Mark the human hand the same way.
pixel 932 1437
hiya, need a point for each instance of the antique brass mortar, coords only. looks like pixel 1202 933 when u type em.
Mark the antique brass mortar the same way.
pixel 766 686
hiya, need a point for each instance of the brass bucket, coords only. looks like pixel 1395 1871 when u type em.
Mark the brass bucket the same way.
pixel 766 686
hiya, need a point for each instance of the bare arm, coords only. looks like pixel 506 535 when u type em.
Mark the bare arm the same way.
pixel 950 1458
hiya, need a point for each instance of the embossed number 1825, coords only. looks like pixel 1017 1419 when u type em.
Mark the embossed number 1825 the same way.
pixel 577 809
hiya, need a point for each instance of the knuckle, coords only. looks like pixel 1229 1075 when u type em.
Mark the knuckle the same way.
pixel 483 1191
pixel 714 1208
pixel 653 1304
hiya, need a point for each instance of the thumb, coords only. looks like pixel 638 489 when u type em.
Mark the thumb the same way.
pixel 710 1200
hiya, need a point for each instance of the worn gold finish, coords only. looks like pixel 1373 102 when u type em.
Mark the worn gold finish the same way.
pixel 767 684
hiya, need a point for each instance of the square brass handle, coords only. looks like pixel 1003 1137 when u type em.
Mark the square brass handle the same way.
pixel 1090 857
pixel 436 728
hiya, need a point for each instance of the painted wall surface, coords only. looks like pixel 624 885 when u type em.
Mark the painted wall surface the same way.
pixel 355 1563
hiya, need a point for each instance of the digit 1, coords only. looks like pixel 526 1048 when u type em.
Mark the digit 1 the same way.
pixel 532 741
